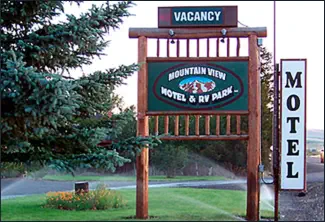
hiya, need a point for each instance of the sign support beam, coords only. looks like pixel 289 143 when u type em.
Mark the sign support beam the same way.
pixel 254 141
pixel 142 161
pixel 276 161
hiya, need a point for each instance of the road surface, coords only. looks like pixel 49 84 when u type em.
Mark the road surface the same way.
pixel 315 169
pixel 21 187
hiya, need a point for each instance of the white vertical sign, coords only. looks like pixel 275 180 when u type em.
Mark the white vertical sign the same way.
pixel 293 124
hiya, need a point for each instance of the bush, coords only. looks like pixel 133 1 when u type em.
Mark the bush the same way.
pixel 30 169
pixel 99 199
pixel 11 169
pixel 169 159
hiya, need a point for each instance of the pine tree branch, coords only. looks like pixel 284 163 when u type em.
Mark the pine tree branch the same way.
pixel 73 43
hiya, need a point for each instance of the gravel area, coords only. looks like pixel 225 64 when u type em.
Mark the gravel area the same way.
pixel 305 208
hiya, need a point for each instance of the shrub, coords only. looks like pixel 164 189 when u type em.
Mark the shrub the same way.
pixel 169 159
pixel 99 199
pixel 14 169
pixel 11 169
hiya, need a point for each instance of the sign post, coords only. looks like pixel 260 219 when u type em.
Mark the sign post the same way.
pixel 276 153
pixel 142 163
pixel 254 130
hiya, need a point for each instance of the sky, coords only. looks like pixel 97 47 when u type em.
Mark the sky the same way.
pixel 299 34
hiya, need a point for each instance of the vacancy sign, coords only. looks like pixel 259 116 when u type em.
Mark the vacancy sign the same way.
pixel 197 16
pixel 293 124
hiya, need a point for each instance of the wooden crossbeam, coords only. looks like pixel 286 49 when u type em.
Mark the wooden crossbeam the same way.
pixel 205 137
pixel 196 32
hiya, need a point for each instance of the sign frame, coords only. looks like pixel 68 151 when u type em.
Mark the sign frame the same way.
pixel 282 136
pixel 252 135
pixel 229 17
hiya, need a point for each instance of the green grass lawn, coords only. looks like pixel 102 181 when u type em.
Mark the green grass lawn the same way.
pixel 186 204
pixel 130 178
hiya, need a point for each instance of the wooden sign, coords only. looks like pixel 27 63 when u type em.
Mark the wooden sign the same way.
pixel 198 85
pixel 203 87
pixel 199 16
pixel 293 124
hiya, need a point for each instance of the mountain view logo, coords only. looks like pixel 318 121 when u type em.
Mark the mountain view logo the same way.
pixel 197 85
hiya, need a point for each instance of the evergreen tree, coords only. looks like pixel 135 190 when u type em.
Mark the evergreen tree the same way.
pixel 266 106
pixel 47 116
pixel 169 158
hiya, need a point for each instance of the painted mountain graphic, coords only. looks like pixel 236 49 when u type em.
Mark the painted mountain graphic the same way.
pixel 197 85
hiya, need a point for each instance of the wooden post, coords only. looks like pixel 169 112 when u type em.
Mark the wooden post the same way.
pixel 228 125
pixel 187 48
pixel 207 125
pixel 187 124
pixel 176 126
pixel 217 125
pixel 208 47
pixel 177 48
pixel 228 47
pixel 238 47
pixel 142 161
pixel 156 125
pixel 197 125
pixel 238 127
pixel 166 121
pixel 217 43
pixel 254 127
pixel 158 48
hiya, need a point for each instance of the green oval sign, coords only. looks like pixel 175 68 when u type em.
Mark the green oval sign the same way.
pixel 196 86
